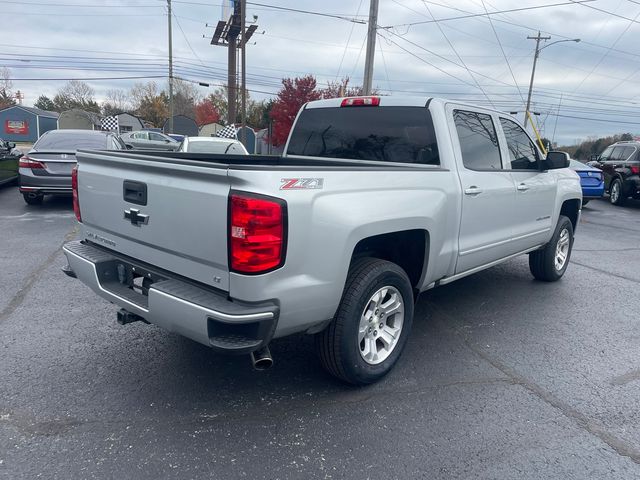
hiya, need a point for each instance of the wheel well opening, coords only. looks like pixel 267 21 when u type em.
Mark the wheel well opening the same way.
pixel 406 249
pixel 570 209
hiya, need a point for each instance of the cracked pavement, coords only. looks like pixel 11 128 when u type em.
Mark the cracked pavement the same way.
pixel 503 378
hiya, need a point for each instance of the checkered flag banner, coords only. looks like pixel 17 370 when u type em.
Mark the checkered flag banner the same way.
pixel 227 132
pixel 110 123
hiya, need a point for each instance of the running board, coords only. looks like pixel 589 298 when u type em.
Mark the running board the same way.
pixel 458 276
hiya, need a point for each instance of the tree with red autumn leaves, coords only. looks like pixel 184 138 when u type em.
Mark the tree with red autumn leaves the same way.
pixel 206 113
pixel 291 97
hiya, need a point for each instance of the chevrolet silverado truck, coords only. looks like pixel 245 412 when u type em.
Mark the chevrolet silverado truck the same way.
pixel 375 200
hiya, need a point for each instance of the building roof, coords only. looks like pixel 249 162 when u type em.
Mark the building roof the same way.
pixel 35 111
pixel 94 117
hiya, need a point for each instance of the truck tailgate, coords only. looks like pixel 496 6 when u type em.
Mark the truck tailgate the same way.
pixel 181 225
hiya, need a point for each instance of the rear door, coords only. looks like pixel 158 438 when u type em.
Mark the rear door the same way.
pixel 140 139
pixel 535 189
pixel 608 161
pixel 169 214
pixel 160 142
pixel 488 190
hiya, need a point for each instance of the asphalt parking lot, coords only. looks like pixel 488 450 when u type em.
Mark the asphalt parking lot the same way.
pixel 504 377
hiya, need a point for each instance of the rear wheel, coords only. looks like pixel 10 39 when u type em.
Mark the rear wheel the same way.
pixel 615 195
pixel 550 263
pixel 372 324
pixel 37 200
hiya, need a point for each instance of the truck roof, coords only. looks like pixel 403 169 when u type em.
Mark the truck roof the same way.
pixel 404 101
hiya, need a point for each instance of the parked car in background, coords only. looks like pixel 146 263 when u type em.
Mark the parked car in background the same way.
pixel 148 140
pixel 177 137
pixel 620 164
pixel 9 156
pixel 212 145
pixel 46 169
pixel 591 180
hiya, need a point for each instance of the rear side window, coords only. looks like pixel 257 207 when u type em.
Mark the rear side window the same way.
pixel 522 153
pixel 626 153
pixel 61 140
pixel 478 140
pixel 386 134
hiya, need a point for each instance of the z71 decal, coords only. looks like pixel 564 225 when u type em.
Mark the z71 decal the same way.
pixel 301 183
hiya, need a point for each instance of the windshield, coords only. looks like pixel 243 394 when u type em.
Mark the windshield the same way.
pixel 206 146
pixel 60 140
pixel 576 164
pixel 387 134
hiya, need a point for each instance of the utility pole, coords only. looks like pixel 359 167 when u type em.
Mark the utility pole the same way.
pixel 371 47
pixel 533 72
pixel 231 33
pixel 170 69
pixel 243 20
pixel 232 79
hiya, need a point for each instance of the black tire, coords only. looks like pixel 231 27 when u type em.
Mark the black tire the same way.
pixel 542 263
pixel 338 345
pixel 620 198
pixel 33 200
pixel 584 202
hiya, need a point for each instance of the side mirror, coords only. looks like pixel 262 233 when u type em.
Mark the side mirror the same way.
pixel 129 146
pixel 167 141
pixel 11 144
pixel 594 158
pixel 556 160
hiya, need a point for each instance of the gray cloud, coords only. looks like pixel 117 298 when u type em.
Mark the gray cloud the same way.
pixel 296 44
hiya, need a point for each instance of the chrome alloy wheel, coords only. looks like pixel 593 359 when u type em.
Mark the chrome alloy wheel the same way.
pixel 562 249
pixel 615 192
pixel 381 325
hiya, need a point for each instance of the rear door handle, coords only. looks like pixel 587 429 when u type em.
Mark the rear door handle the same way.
pixel 523 187
pixel 473 191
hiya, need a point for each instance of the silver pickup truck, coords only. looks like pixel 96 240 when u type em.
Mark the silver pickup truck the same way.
pixel 375 200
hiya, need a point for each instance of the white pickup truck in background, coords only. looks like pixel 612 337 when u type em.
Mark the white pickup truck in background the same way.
pixel 375 200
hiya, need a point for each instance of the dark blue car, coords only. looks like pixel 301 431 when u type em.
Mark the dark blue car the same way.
pixel 591 180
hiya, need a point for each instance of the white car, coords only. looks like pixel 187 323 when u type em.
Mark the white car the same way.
pixel 212 145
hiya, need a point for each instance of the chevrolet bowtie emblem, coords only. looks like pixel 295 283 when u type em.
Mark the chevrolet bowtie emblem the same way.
pixel 136 217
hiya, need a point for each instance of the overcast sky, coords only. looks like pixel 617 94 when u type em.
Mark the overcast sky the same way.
pixel 455 58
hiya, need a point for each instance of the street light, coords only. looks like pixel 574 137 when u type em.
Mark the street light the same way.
pixel 535 60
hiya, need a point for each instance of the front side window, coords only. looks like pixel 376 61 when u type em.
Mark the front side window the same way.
pixel 604 156
pixel 156 137
pixel 478 140
pixel 523 154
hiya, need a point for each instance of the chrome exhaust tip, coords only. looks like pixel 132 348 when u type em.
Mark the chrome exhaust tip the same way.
pixel 261 359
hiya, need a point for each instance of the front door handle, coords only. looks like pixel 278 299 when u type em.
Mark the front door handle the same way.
pixel 473 190
pixel 523 187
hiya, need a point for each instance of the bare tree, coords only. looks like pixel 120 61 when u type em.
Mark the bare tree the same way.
pixel 76 94
pixel 185 97
pixel 6 86
pixel 117 101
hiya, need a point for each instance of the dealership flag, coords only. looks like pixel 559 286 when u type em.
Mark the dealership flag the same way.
pixel 110 123
pixel 227 132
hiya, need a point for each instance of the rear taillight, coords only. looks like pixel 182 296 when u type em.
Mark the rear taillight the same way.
pixel 26 162
pixel 74 188
pixel 635 169
pixel 256 233
pixel 360 102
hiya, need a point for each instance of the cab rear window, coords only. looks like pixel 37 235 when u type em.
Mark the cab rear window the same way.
pixel 385 134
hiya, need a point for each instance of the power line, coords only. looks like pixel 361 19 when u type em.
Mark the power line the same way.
pixel 353 25
pixel 511 10
pixel 607 52
pixel 457 54
pixel 515 82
